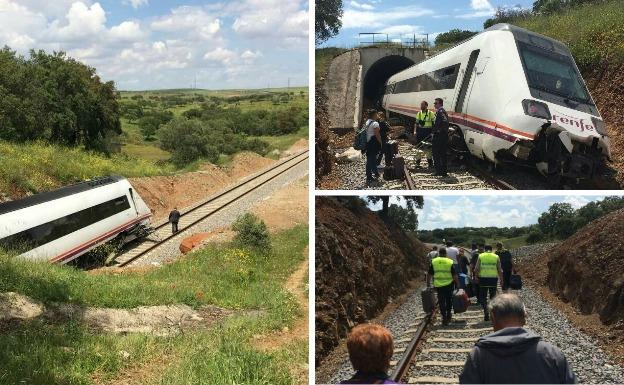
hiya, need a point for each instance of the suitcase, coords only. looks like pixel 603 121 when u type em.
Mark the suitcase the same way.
pixel 515 282
pixel 398 163
pixel 428 299
pixel 394 145
pixel 460 301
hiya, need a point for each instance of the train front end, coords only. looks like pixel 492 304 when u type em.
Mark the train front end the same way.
pixel 570 140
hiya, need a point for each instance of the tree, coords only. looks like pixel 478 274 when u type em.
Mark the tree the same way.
pixel 148 126
pixel 549 219
pixel 327 21
pixel 412 202
pixel 507 15
pixel 454 36
pixel 405 218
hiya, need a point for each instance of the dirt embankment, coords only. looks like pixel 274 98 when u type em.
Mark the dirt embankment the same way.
pixel 361 262
pixel 583 276
pixel 606 84
pixel 163 193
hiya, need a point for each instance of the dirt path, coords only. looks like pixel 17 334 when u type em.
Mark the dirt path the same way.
pixel 299 332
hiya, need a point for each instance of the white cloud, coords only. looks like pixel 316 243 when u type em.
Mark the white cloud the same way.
pixel 576 201
pixel 220 54
pixel 481 5
pixel 355 18
pixel 191 20
pixel 250 55
pixel 82 21
pixel 403 29
pixel 136 3
pixel 480 8
pixel 355 4
pixel 128 31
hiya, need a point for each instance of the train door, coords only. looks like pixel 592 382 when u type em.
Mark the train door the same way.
pixel 473 138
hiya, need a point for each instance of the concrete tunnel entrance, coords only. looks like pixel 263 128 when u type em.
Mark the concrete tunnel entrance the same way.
pixel 377 75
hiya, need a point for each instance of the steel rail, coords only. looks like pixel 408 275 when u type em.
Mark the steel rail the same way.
pixel 303 157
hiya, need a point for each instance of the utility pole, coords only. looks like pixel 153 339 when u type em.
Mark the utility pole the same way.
pixel 288 84
pixel 195 82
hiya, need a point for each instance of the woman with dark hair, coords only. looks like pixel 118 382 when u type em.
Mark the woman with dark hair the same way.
pixel 370 348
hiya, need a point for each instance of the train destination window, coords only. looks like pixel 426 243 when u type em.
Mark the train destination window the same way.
pixel 553 73
pixel 50 231
pixel 444 78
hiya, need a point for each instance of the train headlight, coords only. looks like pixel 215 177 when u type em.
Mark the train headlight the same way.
pixel 600 126
pixel 536 109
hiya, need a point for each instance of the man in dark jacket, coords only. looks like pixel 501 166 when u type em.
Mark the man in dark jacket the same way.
pixel 440 138
pixel 506 264
pixel 513 355
pixel 174 218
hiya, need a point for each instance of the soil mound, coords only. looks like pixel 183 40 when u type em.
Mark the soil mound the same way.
pixel 324 158
pixel 606 84
pixel 361 262
pixel 163 193
pixel 587 269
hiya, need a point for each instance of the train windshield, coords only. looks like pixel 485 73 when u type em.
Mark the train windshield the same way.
pixel 553 73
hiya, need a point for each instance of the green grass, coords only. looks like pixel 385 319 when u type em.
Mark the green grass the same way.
pixel 323 57
pixel 594 32
pixel 283 142
pixel 37 167
pixel 66 353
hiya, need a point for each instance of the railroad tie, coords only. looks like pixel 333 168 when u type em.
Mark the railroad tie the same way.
pixel 402 340
pixel 440 363
pixel 433 380
pixel 446 350
pixel 445 339
pixel 464 330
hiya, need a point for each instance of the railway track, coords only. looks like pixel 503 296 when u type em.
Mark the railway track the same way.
pixel 435 354
pixel 419 177
pixel 194 215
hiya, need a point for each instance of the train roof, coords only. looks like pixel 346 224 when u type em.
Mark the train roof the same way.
pixel 519 34
pixel 57 194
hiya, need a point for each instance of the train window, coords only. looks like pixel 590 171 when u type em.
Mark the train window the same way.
pixel 50 231
pixel 444 78
pixel 553 73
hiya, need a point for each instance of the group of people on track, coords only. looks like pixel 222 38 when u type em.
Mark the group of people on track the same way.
pixel 430 126
pixel 511 354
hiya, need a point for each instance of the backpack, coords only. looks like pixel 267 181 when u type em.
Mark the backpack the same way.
pixel 359 142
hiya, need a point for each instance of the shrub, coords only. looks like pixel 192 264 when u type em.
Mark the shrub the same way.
pixel 251 232
pixel 534 237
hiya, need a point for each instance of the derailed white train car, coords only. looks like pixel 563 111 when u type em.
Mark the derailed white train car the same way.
pixel 61 225
pixel 515 96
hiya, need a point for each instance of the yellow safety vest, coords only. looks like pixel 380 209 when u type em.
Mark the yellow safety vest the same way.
pixel 488 265
pixel 442 271
pixel 427 117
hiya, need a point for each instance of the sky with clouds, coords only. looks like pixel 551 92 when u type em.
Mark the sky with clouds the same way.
pixel 408 17
pixel 156 44
pixel 488 210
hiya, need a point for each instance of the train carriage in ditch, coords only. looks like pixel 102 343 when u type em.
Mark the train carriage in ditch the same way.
pixel 512 96
pixel 61 225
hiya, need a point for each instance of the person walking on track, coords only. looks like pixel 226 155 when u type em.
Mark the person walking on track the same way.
pixel 488 272
pixel 373 146
pixel 370 348
pixel 473 263
pixel 444 275
pixel 506 264
pixel 512 354
pixel 174 218
pixel 440 138
pixel 424 125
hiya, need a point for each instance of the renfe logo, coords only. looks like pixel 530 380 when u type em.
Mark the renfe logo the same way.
pixel 572 121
